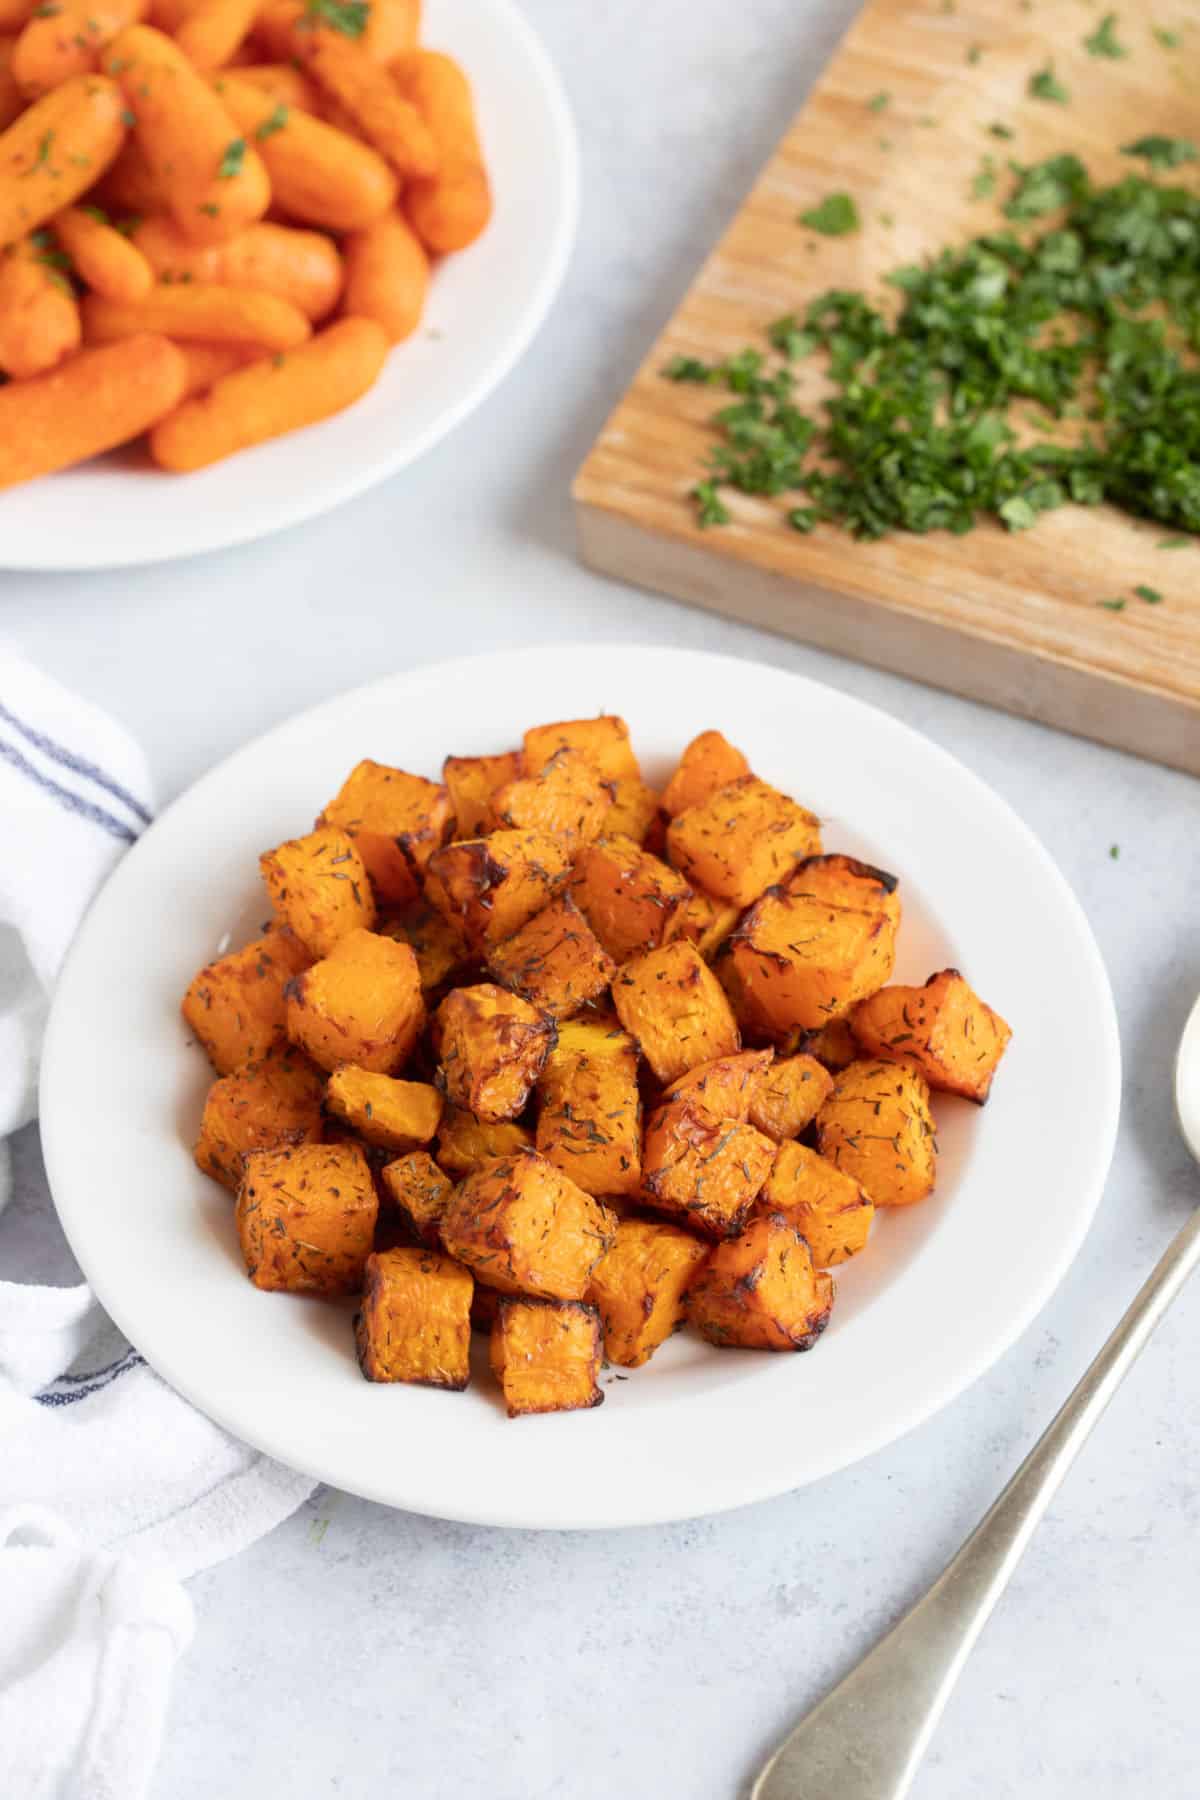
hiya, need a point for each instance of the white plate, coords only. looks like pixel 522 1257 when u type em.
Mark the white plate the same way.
pixel 944 1288
pixel 484 307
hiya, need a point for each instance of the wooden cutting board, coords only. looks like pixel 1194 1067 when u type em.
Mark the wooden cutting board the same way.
pixel 1010 618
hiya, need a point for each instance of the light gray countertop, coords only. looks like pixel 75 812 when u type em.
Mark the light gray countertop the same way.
pixel 357 1644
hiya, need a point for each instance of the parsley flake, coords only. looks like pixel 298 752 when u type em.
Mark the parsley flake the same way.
pixel 1045 85
pixel 1150 595
pixel 347 16
pixel 1112 605
pixel 878 102
pixel 836 216
pixel 1163 152
pixel 1170 40
pixel 1103 41
pixel 273 123
pixel 232 160
pixel 1114 850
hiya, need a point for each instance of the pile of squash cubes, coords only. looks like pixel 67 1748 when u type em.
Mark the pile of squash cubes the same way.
pixel 540 1051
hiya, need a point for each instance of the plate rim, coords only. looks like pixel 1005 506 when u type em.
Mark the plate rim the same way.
pixel 852 1449
pixel 58 558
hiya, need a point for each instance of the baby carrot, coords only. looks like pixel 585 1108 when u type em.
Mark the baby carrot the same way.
pixel 300 266
pixel 66 38
pixel 450 210
pixel 318 174
pixel 214 31
pixel 39 320
pixel 285 84
pixel 273 396
pixel 91 403
pixel 58 147
pixel 201 312
pixel 207 363
pixel 104 259
pixel 12 100
pixel 360 86
pixel 216 183
pixel 392 26
pixel 387 275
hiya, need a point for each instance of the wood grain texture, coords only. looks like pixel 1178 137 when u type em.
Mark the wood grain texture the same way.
pixel 1010 618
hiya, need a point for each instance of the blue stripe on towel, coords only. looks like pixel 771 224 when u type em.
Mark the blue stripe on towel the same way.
pixel 86 809
pixel 78 765
pixel 91 1384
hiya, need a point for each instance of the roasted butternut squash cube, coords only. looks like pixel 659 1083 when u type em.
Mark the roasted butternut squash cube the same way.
pixel 826 1206
pixel 603 741
pixel 788 1096
pixel 306 1218
pixel 709 762
pixel 943 1029
pixel 546 1355
pixel 415 1320
pixel 473 782
pixel 590 1110
pixel 420 1193
pixel 569 798
pixel 760 1291
pixel 706 1172
pixel 395 1115
pixel 235 1005
pixel 631 899
pixel 876 1126
pixel 834 1046
pixel 492 1045
pixel 804 961
pixel 741 839
pixel 490 886
pixel 361 1004
pixel 844 881
pixel 264 1105
pixel 318 885
pixel 555 961
pixel 726 1088
pixel 673 1006
pixel 464 1142
pixel 639 1287
pixel 437 943
pixel 706 922
pixel 525 1228
pixel 634 811
pixel 397 821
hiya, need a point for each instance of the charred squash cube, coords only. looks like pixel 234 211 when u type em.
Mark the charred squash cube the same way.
pixel 726 1088
pixel 876 1126
pixel 634 812
pixel 420 1193
pixel 397 821
pixel 361 1004
pixel 943 1029
pixel 826 1206
pixel 264 1105
pixel 306 1218
pixel 844 881
pixel 569 798
pixel 546 1355
pixel 704 1171
pixel 639 1288
pixel 803 961
pixel 492 1045
pixel 395 1115
pixel 555 961
pixel 318 885
pixel 673 1006
pixel 709 762
pixel 235 1005
pixel 741 839
pixel 473 782
pixel 490 886
pixel 590 1110
pixel 464 1142
pixel 631 900
pixel 706 922
pixel 834 1046
pixel 436 941
pixel 760 1291
pixel 415 1321
pixel 603 741
pixel 788 1096
pixel 525 1228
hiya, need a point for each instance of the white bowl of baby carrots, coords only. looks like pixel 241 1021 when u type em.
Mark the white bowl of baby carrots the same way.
pixel 257 255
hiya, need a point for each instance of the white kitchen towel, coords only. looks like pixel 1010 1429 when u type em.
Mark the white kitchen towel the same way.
pixel 112 1488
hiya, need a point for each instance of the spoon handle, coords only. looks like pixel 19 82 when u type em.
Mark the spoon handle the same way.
pixel 865 1740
